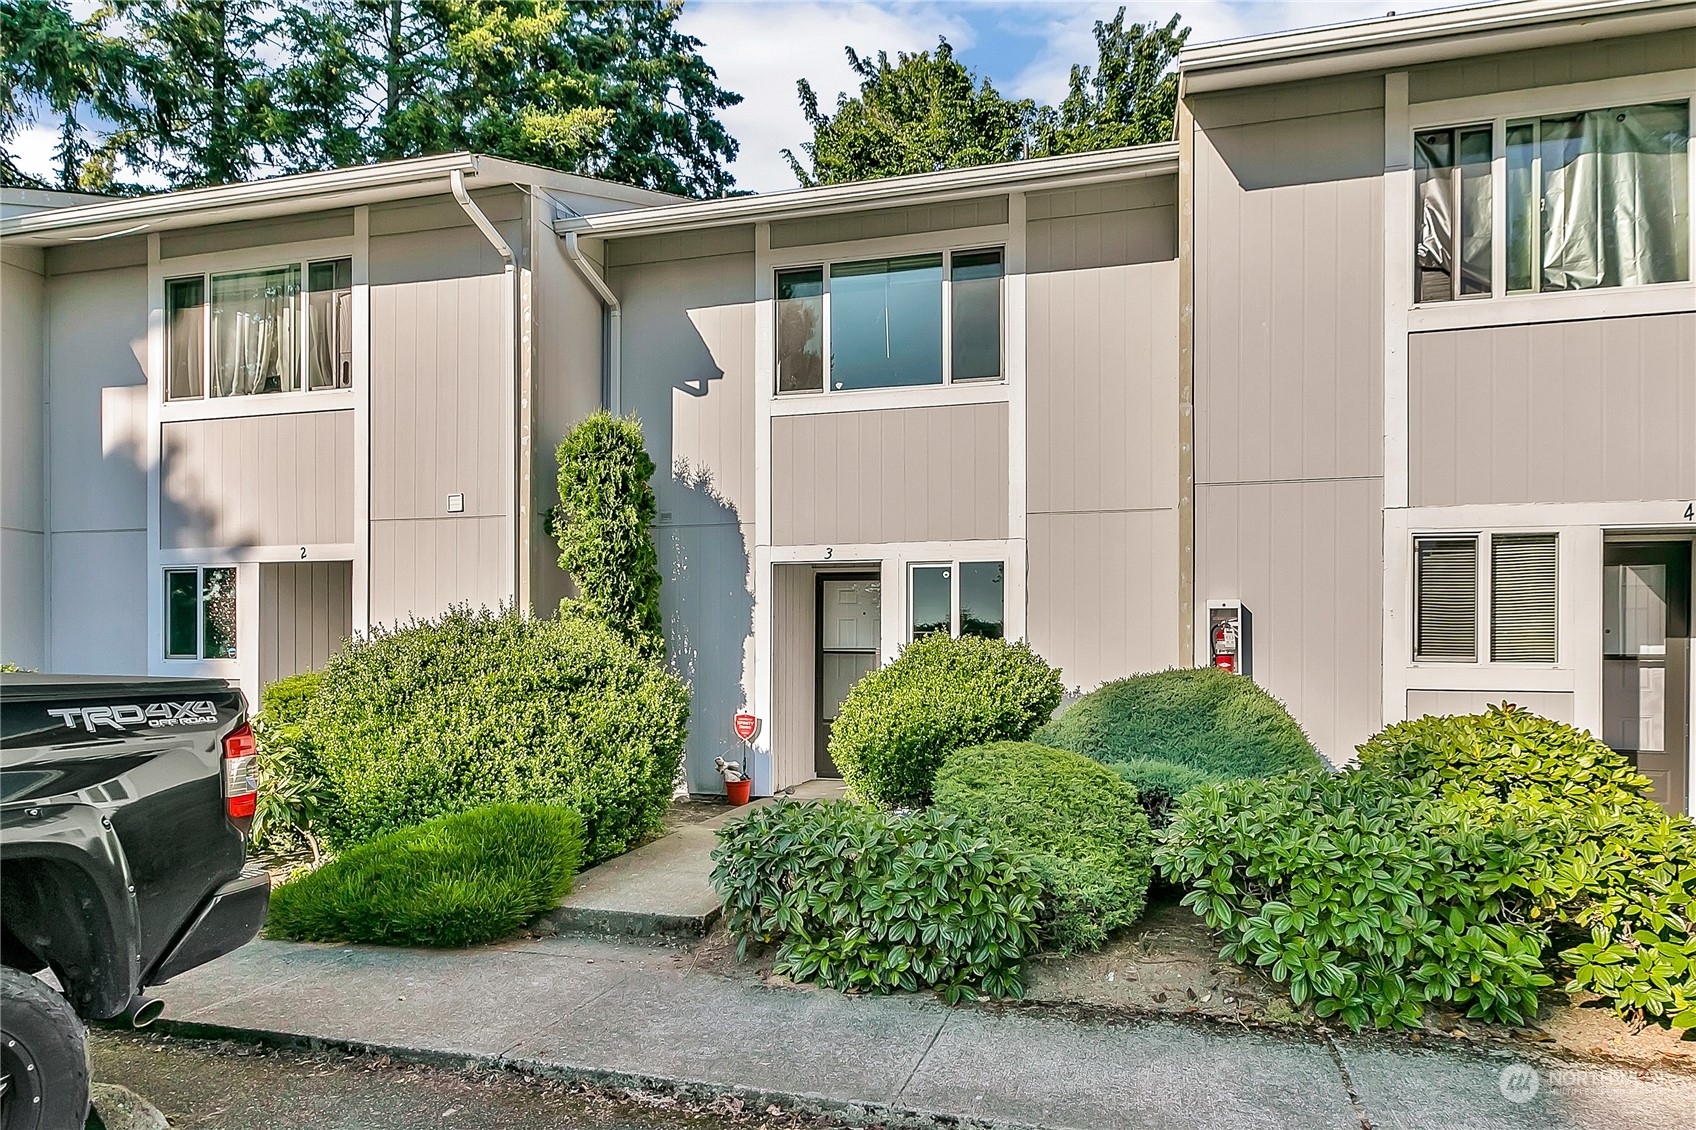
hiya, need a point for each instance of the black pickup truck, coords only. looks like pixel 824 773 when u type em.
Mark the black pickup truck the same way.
pixel 124 810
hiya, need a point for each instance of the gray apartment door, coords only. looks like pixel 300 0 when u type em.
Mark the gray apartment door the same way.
pixel 850 632
pixel 1646 662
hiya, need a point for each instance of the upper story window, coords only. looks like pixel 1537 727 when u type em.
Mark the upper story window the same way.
pixel 1596 198
pixel 890 323
pixel 249 332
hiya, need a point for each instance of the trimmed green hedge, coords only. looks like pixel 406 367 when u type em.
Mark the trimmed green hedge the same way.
pixel 604 526
pixel 899 722
pixel 1205 719
pixel 1076 823
pixel 459 880
pixel 479 708
pixel 867 901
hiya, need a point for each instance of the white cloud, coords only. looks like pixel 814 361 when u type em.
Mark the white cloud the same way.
pixel 760 49
pixel 32 148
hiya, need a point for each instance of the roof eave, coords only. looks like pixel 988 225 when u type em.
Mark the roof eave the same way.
pixel 920 188
pixel 1423 37
pixel 336 188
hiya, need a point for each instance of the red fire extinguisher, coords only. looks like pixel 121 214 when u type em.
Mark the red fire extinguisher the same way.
pixel 1225 647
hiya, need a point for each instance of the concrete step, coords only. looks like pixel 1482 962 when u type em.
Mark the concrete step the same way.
pixel 661 890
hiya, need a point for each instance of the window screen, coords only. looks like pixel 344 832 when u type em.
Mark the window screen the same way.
pixel 1524 587
pixel 800 330
pixel 975 279
pixel 933 600
pixel 329 324
pixel 1445 596
pixel 185 345
pixel 1452 220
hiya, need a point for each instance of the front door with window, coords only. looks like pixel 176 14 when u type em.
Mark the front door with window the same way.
pixel 850 636
pixel 1646 662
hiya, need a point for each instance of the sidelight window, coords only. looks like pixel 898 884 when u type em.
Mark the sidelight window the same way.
pixel 963 598
pixel 200 613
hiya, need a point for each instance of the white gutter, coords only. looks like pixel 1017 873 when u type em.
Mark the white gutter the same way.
pixel 615 319
pixel 1400 41
pixel 174 209
pixel 520 396
pixel 1041 172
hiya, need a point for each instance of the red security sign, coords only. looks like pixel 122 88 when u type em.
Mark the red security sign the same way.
pixel 747 726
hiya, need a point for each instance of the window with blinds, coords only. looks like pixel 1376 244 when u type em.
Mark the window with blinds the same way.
pixel 1445 599
pixel 1524 584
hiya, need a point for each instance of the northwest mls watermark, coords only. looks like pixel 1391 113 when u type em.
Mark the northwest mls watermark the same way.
pixel 1521 1083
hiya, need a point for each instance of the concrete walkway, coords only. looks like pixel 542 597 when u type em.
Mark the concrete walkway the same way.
pixel 661 889
pixel 626 1014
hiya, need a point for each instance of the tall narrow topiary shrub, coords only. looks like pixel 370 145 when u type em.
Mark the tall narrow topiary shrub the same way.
pixel 606 510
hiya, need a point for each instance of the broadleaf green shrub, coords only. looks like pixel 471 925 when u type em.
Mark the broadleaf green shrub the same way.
pixel 941 694
pixel 1160 785
pixel 292 791
pixel 1078 825
pixel 604 526
pixel 1370 900
pixel 479 708
pixel 867 901
pixel 1206 719
pixel 458 880
pixel 1550 855
pixel 1612 877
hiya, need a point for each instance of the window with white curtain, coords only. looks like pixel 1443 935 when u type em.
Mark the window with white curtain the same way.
pixel 247 333
pixel 1592 198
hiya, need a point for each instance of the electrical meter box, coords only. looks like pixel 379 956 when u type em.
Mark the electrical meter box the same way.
pixel 1230 642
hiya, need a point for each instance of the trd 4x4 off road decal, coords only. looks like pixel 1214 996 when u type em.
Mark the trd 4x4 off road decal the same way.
pixel 153 715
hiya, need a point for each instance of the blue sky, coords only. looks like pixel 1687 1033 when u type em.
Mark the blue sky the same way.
pixel 760 47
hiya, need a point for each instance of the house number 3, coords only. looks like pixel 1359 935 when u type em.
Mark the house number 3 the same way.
pixel 829 552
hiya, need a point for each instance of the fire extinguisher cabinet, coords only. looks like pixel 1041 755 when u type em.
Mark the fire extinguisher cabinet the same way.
pixel 1230 640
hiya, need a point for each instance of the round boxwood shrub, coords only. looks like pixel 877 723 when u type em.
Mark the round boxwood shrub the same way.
pixel 1209 720
pixel 868 901
pixel 942 694
pixel 1076 823
pixel 479 708
pixel 455 881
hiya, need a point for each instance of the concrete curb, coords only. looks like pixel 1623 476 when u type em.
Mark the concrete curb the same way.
pixel 597 922
pixel 687 1090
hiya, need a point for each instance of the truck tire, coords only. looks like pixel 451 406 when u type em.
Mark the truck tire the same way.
pixel 43 1057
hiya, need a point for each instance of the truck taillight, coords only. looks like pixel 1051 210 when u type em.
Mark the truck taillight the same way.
pixel 241 773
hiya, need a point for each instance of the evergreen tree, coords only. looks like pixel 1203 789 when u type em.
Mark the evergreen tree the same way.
pixel 72 70
pixel 1130 97
pixel 923 113
pixel 204 109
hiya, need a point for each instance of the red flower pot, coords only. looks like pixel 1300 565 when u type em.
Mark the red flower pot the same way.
pixel 737 791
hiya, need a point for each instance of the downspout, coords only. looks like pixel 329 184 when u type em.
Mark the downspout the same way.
pixel 521 402
pixel 615 318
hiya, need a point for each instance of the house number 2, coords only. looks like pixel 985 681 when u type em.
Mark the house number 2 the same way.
pixel 303 553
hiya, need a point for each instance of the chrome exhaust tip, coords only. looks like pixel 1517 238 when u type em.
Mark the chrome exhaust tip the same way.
pixel 143 1011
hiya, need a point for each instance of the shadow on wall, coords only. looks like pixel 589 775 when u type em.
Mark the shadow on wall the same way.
pixel 709 618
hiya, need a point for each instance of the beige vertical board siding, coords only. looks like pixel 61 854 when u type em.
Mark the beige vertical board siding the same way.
pixel 1289 292
pixel 565 342
pixel 1550 704
pixel 1587 411
pixel 1102 590
pixel 305 614
pixel 1101 367
pixel 794 730
pixel 275 480
pixel 1553 66
pixel 1306 560
pixel 441 411
pixel 96 335
pixel 421 566
pixel 1289 390
pixel 688 376
pixel 1102 225
pixel 878 223
pixel 255 233
pixel 905 474
pixel 23 591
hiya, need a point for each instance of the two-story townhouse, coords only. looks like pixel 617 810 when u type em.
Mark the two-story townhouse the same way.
pixel 1394 346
